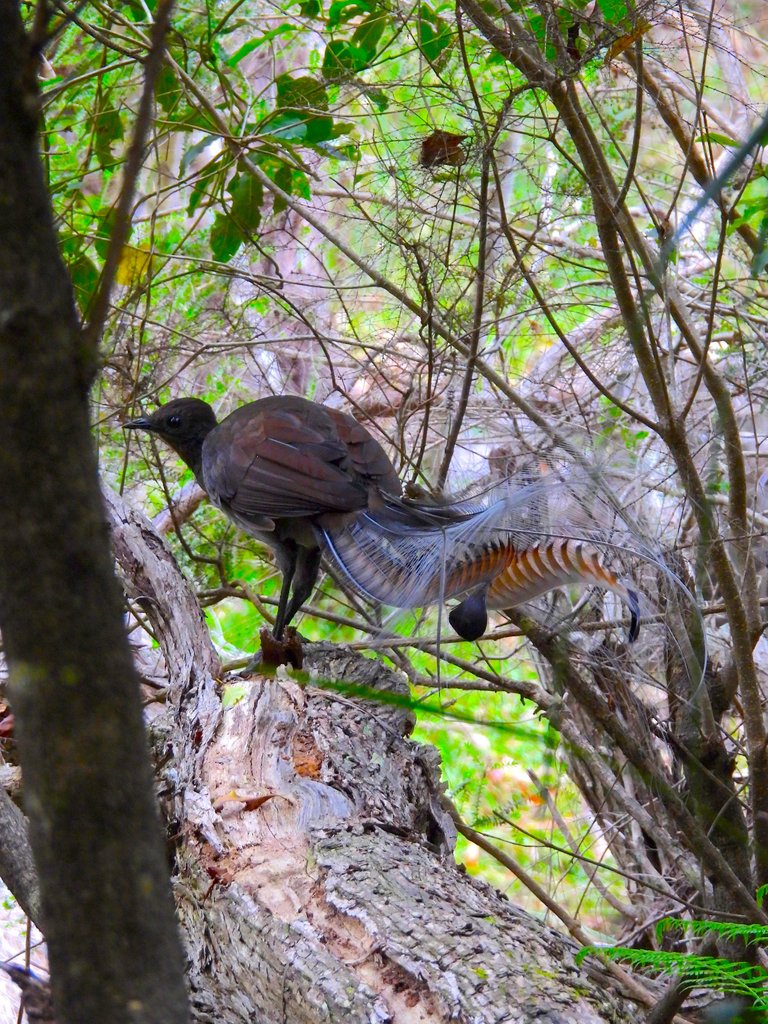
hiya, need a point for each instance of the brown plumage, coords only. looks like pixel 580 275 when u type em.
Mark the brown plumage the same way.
pixel 308 480
pixel 282 468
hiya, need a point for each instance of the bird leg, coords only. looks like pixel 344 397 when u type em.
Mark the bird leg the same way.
pixel 300 566
pixel 286 559
pixel 287 651
pixel 306 568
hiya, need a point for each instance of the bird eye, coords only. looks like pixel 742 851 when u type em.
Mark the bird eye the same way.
pixel 174 421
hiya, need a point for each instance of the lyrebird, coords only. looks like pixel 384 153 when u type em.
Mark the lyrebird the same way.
pixel 311 481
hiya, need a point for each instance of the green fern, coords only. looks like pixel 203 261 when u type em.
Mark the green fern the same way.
pixel 736 978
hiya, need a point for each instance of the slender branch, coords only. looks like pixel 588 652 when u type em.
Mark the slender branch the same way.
pixel 635 151
pixel 480 276
pixel 713 190
pixel 630 985
pixel 122 218
pixel 685 141
pixel 595 704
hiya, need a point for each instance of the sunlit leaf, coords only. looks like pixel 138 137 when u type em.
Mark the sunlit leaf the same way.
pixel 134 265
pixel 344 10
pixel 613 11
pixel 717 138
pixel 253 44
pixel 434 34
pixel 232 694
pixel 301 92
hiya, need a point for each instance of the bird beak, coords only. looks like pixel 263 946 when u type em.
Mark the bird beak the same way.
pixel 143 423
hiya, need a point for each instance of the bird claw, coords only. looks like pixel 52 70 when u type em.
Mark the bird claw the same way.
pixel 273 653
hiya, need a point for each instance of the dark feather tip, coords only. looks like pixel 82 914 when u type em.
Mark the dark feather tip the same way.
pixel 634 615
pixel 470 618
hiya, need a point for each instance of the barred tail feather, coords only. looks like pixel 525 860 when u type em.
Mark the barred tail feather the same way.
pixel 522 543
pixel 544 566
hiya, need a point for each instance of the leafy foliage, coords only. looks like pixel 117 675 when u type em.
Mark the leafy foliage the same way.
pixel 398 212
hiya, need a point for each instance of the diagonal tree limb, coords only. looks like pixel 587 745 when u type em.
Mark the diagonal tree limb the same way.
pixel 122 218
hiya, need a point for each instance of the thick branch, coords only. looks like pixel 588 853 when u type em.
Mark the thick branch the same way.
pixel 17 865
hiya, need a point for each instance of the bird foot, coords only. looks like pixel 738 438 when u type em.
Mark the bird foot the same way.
pixel 274 652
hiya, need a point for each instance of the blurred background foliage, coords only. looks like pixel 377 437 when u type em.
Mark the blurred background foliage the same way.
pixel 370 204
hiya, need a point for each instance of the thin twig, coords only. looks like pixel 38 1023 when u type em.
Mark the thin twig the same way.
pixel 92 331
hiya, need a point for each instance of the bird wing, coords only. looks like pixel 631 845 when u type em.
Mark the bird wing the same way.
pixel 367 457
pixel 286 457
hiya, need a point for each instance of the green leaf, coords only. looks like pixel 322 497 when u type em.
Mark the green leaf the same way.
pixel 194 151
pixel 310 9
pixel 226 238
pixel 85 279
pixel 342 60
pixel 187 118
pixel 348 152
pixel 613 10
pixel 204 185
pixel 537 26
pixel 301 92
pixel 105 218
pixel 718 138
pixel 378 98
pixel 108 129
pixel 368 33
pixel 136 10
pixel 167 91
pixel 284 178
pixel 247 197
pixel 254 44
pixel 232 694
pixel 434 33
pixel 290 179
pixel 756 206
pixel 760 259
pixel 344 10
pixel 299 126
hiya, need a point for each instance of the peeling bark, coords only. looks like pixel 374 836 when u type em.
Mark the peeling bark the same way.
pixel 315 879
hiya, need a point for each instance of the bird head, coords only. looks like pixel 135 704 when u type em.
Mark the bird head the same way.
pixel 183 424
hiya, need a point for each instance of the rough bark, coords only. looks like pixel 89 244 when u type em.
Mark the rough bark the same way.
pixel 315 878
pixel 108 919
pixel 17 865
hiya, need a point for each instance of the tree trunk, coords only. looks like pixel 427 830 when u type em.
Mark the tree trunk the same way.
pixel 315 879
pixel 105 902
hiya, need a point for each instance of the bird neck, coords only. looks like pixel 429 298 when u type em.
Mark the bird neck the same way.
pixel 190 449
